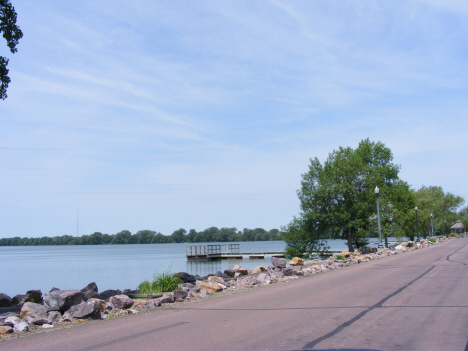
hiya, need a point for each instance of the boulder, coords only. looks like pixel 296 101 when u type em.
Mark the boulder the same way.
pixel 102 304
pixel 152 303
pixel 21 327
pixel 88 309
pixel 47 326
pixel 240 269
pixel 167 298
pixel 358 252
pixel 34 296
pixel 219 274
pixel 33 310
pixel 296 261
pixel 345 254
pixel 208 286
pixel 18 300
pixel 62 300
pixel 53 316
pixel 89 290
pixel 264 278
pixel 215 279
pixel 229 272
pixel 288 271
pixel 107 294
pixel 54 289
pixel 121 301
pixel 5 329
pixel 185 277
pixel 5 300
pixel 179 295
pixel 278 262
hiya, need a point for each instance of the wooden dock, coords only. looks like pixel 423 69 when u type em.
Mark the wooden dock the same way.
pixel 213 252
pixel 223 252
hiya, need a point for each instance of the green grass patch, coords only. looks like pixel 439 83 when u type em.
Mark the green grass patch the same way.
pixel 432 240
pixel 162 282
pixel 340 257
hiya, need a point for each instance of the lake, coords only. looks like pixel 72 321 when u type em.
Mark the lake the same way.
pixel 121 267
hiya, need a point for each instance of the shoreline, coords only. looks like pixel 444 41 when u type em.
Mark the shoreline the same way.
pixel 213 286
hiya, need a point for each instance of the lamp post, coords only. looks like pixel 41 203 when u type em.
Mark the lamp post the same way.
pixel 432 226
pixel 377 191
pixel 417 228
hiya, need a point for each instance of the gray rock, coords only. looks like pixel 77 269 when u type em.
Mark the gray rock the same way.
pixel 121 301
pixel 67 317
pixel 21 327
pixel 167 298
pixel 47 326
pixel 179 295
pixel 11 321
pixel 5 300
pixel 54 289
pixel 88 309
pixel 186 278
pixel 62 300
pixel 89 290
pixel 229 272
pixel 53 316
pixel 33 310
pixel 34 296
pixel 18 300
pixel 40 321
pixel 278 262
pixel 152 303
pixel 107 294
pixel 288 271
pixel 219 274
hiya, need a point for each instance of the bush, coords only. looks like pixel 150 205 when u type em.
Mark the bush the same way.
pixel 340 257
pixel 410 244
pixel 432 240
pixel 162 282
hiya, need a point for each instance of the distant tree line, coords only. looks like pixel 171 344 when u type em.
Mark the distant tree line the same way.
pixel 212 234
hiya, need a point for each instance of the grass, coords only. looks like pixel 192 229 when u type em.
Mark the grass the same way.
pixel 432 240
pixel 340 257
pixel 162 282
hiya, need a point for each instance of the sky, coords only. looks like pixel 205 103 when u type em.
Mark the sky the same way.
pixel 163 115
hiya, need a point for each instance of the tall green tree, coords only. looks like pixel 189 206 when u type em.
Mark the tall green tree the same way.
pixel 12 34
pixel 443 206
pixel 337 198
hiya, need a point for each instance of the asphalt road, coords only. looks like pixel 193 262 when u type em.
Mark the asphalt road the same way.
pixel 411 301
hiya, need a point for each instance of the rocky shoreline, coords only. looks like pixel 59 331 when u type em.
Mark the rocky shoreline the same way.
pixel 34 312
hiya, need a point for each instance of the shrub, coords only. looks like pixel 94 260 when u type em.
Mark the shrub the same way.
pixel 162 282
pixel 410 244
pixel 432 240
pixel 340 257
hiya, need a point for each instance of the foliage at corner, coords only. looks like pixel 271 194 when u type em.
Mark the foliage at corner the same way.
pixel 162 282
pixel 12 34
pixel 337 198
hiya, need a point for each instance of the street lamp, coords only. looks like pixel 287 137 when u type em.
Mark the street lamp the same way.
pixel 432 226
pixel 377 191
pixel 417 228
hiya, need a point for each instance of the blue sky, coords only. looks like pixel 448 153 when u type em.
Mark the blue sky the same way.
pixel 189 114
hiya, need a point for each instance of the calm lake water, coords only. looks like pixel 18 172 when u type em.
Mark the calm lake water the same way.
pixel 111 266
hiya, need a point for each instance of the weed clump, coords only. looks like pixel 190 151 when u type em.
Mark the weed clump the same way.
pixel 162 282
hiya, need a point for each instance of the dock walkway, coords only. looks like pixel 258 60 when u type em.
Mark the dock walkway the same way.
pixel 230 251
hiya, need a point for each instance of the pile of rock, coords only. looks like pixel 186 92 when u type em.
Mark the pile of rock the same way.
pixel 75 306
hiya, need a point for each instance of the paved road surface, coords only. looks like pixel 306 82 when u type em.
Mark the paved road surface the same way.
pixel 412 301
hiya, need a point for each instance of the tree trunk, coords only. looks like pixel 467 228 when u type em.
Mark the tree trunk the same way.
pixel 350 241
pixel 386 242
